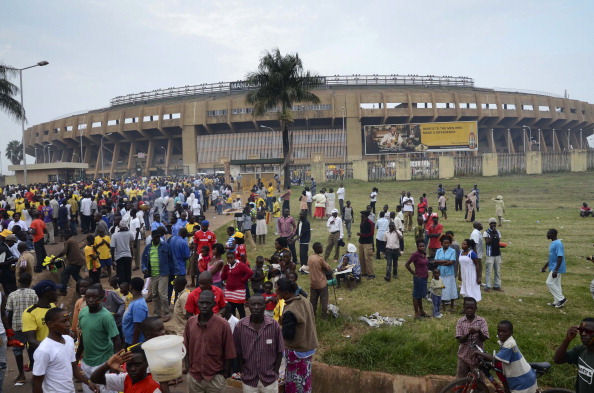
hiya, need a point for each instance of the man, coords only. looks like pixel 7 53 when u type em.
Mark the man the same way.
pixel 47 214
pixel 381 227
pixel 180 251
pixel 157 263
pixel 286 229
pixel 317 279
pixel 476 194
pixel 55 206
pixel 581 355
pixel 469 329
pixel 156 222
pixel 169 208
pixel 181 222
pixel 392 249
pixel 121 252
pixel 493 261
pixel 100 224
pixel 259 345
pixel 85 213
pixel 440 190
pixel 556 266
pixel 99 337
pixel 204 284
pixel 366 245
pixel 55 362
pixel 179 308
pixel 204 237
pixel 38 230
pixel 137 230
pixel 210 348
pixel 7 275
pixel 408 208
pixel 477 236
pixel 334 225
pixel 304 235
pixel 340 193
pixel 34 325
pixel 458 197
pixel 75 259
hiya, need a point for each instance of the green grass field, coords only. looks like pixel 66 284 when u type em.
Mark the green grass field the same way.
pixel 533 205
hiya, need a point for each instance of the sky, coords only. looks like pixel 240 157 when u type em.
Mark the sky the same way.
pixel 98 50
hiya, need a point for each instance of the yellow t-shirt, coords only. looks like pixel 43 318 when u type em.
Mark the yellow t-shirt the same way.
pixel 276 213
pixel 278 310
pixel 34 320
pixel 103 250
pixel 19 205
pixel 127 299
pixel 92 263
pixel 270 191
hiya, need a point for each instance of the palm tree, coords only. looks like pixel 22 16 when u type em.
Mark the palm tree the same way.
pixel 281 81
pixel 14 152
pixel 7 90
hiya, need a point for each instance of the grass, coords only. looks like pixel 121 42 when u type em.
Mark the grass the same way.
pixel 533 205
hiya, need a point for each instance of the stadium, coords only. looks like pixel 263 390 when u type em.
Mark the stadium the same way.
pixel 201 128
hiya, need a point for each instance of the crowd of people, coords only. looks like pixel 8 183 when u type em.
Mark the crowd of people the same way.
pixel 149 239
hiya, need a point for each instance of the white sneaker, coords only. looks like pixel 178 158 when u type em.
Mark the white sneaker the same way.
pixel 438 316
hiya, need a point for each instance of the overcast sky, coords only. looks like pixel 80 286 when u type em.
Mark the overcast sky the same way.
pixel 101 49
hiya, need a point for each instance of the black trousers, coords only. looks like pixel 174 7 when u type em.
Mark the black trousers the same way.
pixel 124 269
pixel 70 270
pixel 291 246
pixel 303 253
pixel 458 204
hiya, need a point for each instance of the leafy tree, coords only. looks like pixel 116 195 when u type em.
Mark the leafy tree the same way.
pixel 281 81
pixel 14 152
pixel 7 90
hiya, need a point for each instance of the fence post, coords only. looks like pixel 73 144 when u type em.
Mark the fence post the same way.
pixel 533 163
pixel 446 167
pixel 360 170
pixel 490 164
pixel 578 160
pixel 402 166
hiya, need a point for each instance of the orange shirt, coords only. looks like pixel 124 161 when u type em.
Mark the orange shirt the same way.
pixel 39 227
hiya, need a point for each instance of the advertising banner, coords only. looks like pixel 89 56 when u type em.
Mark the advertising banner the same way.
pixel 419 137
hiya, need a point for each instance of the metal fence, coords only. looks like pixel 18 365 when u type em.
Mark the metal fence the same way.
pixel 381 171
pixel 468 165
pixel 339 171
pixel 511 163
pixel 300 174
pixel 553 161
pixel 590 161
pixel 423 166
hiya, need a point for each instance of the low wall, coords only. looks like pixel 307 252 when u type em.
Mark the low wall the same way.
pixel 347 380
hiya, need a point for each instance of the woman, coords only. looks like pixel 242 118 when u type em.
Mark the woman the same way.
pixel 303 202
pixel 420 275
pixel 330 201
pixel 261 227
pixel 499 209
pixel 319 201
pixel 471 206
pixel 299 333
pixel 470 271
pixel 236 275
pixel 246 226
pixel 281 246
pixel 445 257
pixel 215 266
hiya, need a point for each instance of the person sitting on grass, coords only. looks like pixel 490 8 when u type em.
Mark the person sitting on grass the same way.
pixel 585 210
pixel 135 379
pixel 519 376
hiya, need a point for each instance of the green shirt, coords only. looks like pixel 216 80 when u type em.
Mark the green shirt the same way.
pixel 154 261
pixel 585 361
pixel 97 331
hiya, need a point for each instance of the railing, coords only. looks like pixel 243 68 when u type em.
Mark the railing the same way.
pixel 424 167
pixel 468 165
pixel 555 161
pixel 590 164
pixel 511 163
pixel 339 171
pixel 336 80
pixel 520 91
pixel 381 171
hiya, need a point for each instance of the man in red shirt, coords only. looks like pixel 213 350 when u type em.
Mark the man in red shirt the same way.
pixel 204 284
pixel 38 230
pixel 434 232
pixel 204 237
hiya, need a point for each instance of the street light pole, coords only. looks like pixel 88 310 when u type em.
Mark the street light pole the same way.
pixel 48 155
pixel 166 160
pixel 20 70
pixel 529 129
pixel 102 154
pixel 273 136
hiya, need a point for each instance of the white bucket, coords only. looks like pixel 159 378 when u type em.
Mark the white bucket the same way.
pixel 165 355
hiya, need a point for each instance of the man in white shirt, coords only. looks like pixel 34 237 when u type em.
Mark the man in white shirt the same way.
pixel 408 207
pixel 334 225
pixel 85 211
pixel 340 194
pixel 477 236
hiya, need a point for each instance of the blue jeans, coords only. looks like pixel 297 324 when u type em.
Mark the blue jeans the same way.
pixel 436 303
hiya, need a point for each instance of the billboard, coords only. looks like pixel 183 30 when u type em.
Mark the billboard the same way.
pixel 419 137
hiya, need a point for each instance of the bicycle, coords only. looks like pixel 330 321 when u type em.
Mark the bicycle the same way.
pixel 472 383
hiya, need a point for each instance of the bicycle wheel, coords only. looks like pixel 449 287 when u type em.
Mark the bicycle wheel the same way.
pixel 555 390
pixel 465 385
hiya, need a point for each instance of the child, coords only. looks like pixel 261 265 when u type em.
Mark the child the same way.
pixel 519 375
pixel 270 298
pixel 257 278
pixel 286 264
pixel 93 263
pixel 435 288
pixel 227 313
pixel 293 277
pixel 101 245
pixel 136 379
pixel 55 362
pixel 443 208
pixel 18 301
pixel 125 294
pixel 203 261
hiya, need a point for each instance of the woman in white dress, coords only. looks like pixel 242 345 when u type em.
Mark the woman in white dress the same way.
pixel 330 202
pixel 470 271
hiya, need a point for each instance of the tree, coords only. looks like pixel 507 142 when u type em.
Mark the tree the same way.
pixel 281 81
pixel 14 152
pixel 7 90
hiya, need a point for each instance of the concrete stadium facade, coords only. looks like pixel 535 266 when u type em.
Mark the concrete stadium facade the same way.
pixel 199 128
